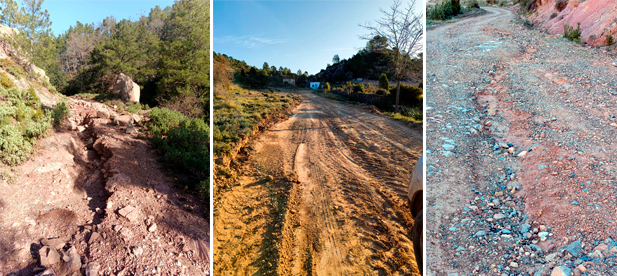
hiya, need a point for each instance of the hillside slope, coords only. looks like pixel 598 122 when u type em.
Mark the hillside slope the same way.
pixel 91 197
pixel 597 18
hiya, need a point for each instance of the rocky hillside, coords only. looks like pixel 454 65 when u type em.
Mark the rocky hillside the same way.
pixel 597 18
pixel 13 68
pixel 91 196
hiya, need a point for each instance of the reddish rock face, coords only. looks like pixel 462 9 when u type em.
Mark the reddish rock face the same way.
pixel 597 18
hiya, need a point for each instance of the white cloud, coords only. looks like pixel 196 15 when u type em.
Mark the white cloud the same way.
pixel 249 41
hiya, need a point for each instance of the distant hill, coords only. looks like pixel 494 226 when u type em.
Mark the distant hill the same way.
pixel 367 64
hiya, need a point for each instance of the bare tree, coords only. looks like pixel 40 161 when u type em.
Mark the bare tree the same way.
pixel 403 28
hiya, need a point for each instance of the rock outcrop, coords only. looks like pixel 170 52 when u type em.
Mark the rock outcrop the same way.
pixel 127 89
pixel 597 18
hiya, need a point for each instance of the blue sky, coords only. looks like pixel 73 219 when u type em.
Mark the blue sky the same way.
pixel 64 13
pixel 294 34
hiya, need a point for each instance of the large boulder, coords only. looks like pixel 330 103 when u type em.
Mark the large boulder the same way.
pixel 128 90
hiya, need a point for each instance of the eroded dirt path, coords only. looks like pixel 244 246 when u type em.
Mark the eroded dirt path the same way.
pixel 323 193
pixel 63 211
pixel 520 150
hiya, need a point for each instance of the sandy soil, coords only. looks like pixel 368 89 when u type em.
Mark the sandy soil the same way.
pixel 520 174
pixel 72 191
pixel 322 193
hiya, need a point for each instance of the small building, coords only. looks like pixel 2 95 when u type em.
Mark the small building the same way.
pixel 289 81
pixel 315 85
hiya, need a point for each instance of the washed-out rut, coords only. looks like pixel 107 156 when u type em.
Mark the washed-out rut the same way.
pixel 520 135
pixel 336 204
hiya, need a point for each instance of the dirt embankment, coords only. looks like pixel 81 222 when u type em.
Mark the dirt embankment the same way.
pixel 323 192
pixel 94 200
pixel 597 18
pixel 228 166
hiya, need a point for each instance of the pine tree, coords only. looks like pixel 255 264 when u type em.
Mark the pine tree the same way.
pixel 10 13
pixel 131 50
pixel 35 39
pixel 383 82
pixel 185 52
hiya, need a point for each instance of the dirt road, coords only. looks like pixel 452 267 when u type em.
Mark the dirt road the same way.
pixel 520 135
pixel 323 193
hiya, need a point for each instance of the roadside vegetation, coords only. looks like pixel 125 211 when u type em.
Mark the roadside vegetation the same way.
pixel 572 34
pixel 241 110
pixel 454 9
pixel 23 121
pixel 166 52
pixel 411 98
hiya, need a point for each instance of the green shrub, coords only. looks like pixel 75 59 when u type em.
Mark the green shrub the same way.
pixel 410 95
pixel 560 5
pixel 527 5
pixel 553 15
pixel 134 108
pixel 162 120
pixel 195 124
pixel 610 40
pixel 527 23
pixel 9 65
pixel 445 10
pixel 14 149
pixel 5 81
pixel 13 72
pixel 383 82
pixel 358 88
pixel 38 129
pixel 572 34
pixel 22 112
pixel 472 4
pixel 60 113
pixel 32 98
pixel 186 149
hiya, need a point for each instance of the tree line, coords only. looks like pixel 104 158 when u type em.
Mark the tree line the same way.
pixel 252 76
pixel 166 52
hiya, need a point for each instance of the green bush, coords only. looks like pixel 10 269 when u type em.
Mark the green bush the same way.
pixel 472 4
pixel 60 113
pixel 572 34
pixel 14 149
pixel 348 86
pixel 134 108
pixel 186 149
pixel 162 120
pixel 383 82
pixel 13 72
pixel 39 129
pixel 445 10
pixel 610 40
pixel 5 81
pixel 527 5
pixel 195 124
pixel 410 95
pixel 21 122
pixel 358 88
pixel 9 65
pixel 32 98
pixel 560 5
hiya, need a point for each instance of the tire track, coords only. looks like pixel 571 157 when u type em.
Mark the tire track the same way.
pixel 345 172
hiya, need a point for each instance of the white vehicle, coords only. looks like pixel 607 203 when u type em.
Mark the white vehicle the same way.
pixel 416 205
